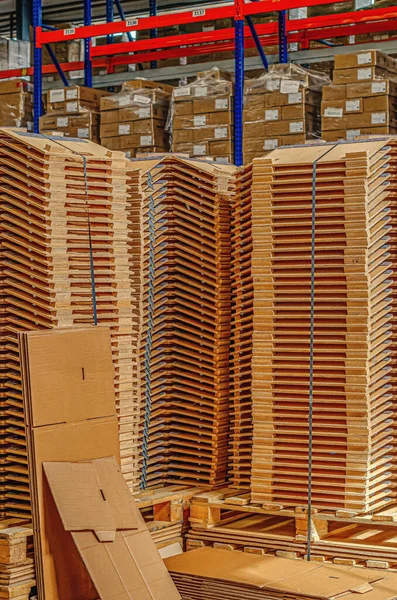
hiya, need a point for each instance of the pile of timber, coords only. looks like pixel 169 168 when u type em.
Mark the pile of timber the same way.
pixel 353 186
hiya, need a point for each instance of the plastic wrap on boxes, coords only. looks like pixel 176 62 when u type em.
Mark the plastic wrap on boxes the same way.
pixel 134 120
pixel 201 116
pixel 16 106
pixel 281 107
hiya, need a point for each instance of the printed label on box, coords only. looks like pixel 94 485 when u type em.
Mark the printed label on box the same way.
pixel 144 113
pixel 271 115
pixel 62 121
pixel 124 100
pixel 352 133
pixel 295 98
pixel 182 91
pixel 270 144
pixel 273 85
pixel 202 90
pixel 289 86
pixel 84 132
pixel 199 120
pixel 71 94
pixel 221 103
pixel 352 105
pixel 128 154
pixel 183 60
pixel 29 126
pixel 296 127
pixel 378 118
pixel 332 111
pixel 208 28
pixel 199 149
pixel 141 99
pixel 223 160
pixel 124 128
pixel 57 95
pixel 364 58
pixel 364 74
pixel 71 106
pixel 146 140
pixel 220 132
pixel 378 87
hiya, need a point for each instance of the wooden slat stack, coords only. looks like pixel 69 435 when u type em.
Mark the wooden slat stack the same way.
pixel 241 332
pixel 353 418
pixel 185 215
pixel 50 198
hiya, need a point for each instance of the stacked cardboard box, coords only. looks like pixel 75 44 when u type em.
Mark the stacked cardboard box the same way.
pixel 202 117
pixel 363 97
pixel 134 120
pixel 281 107
pixel 14 54
pixel 16 107
pixel 74 111
pixel 65 52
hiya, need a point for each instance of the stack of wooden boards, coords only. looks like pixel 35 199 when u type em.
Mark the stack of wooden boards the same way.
pixel 218 574
pixel 17 574
pixel 184 210
pixel 61 199
pixel 363 97
pixel 353 409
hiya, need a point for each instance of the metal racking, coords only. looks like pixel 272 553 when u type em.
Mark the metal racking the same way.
pixel 282 32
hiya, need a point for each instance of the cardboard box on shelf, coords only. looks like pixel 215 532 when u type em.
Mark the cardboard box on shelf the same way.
pixel 281 107
pixel 135 118
pixel 202 116
pixel 359 74
pixel 366 58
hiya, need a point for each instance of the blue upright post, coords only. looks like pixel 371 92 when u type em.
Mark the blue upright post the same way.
pixel 87 46
pixel 109 18
pixel 153 32
pixel 282 36
pixel 57 65
pixel 257 41
pixel 238 91
pixel 37 66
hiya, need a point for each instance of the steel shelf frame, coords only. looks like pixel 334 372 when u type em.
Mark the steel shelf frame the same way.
pixel 280 32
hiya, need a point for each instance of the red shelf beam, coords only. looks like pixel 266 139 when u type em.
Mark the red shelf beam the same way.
pixel 181 18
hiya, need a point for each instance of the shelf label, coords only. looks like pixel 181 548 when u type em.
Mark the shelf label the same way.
pixel 69 31
pixel 131 22
pixel 199 13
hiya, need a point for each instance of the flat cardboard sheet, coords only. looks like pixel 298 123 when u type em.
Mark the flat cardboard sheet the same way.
pixel 277 575
pixel 126 563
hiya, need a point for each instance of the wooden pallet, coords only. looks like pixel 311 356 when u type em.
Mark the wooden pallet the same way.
pixel 17 572
pixel 227 519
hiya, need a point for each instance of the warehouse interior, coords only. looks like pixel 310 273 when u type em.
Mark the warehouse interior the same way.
pixel 198 291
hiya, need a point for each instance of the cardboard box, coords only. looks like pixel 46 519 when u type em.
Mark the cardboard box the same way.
pixel 156 138
pixel 140 98
pixel 338 108
pixel 76 92
pixel 183 108
pixel 380 103
pixel 334 92
pixel 113 143
pixel 145 112
pixel 221 103
pixel 294 112
pixel 350 134
pixel 220 132
pixel 357 121
pixel 359 75
pixel 366 58
pixel 373 88
pixel 279 128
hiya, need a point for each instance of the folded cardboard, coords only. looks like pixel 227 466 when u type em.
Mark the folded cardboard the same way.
pixel 97 508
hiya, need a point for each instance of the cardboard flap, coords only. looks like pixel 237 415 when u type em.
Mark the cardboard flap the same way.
pixel 75 363
pixel 91 496
pixel 362 589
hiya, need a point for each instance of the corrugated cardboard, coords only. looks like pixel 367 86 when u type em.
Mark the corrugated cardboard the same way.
pixel 367 58
pixel 359 75
pixel 334 92
pixel 68 395
pixel 371 88
pixel 96 506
